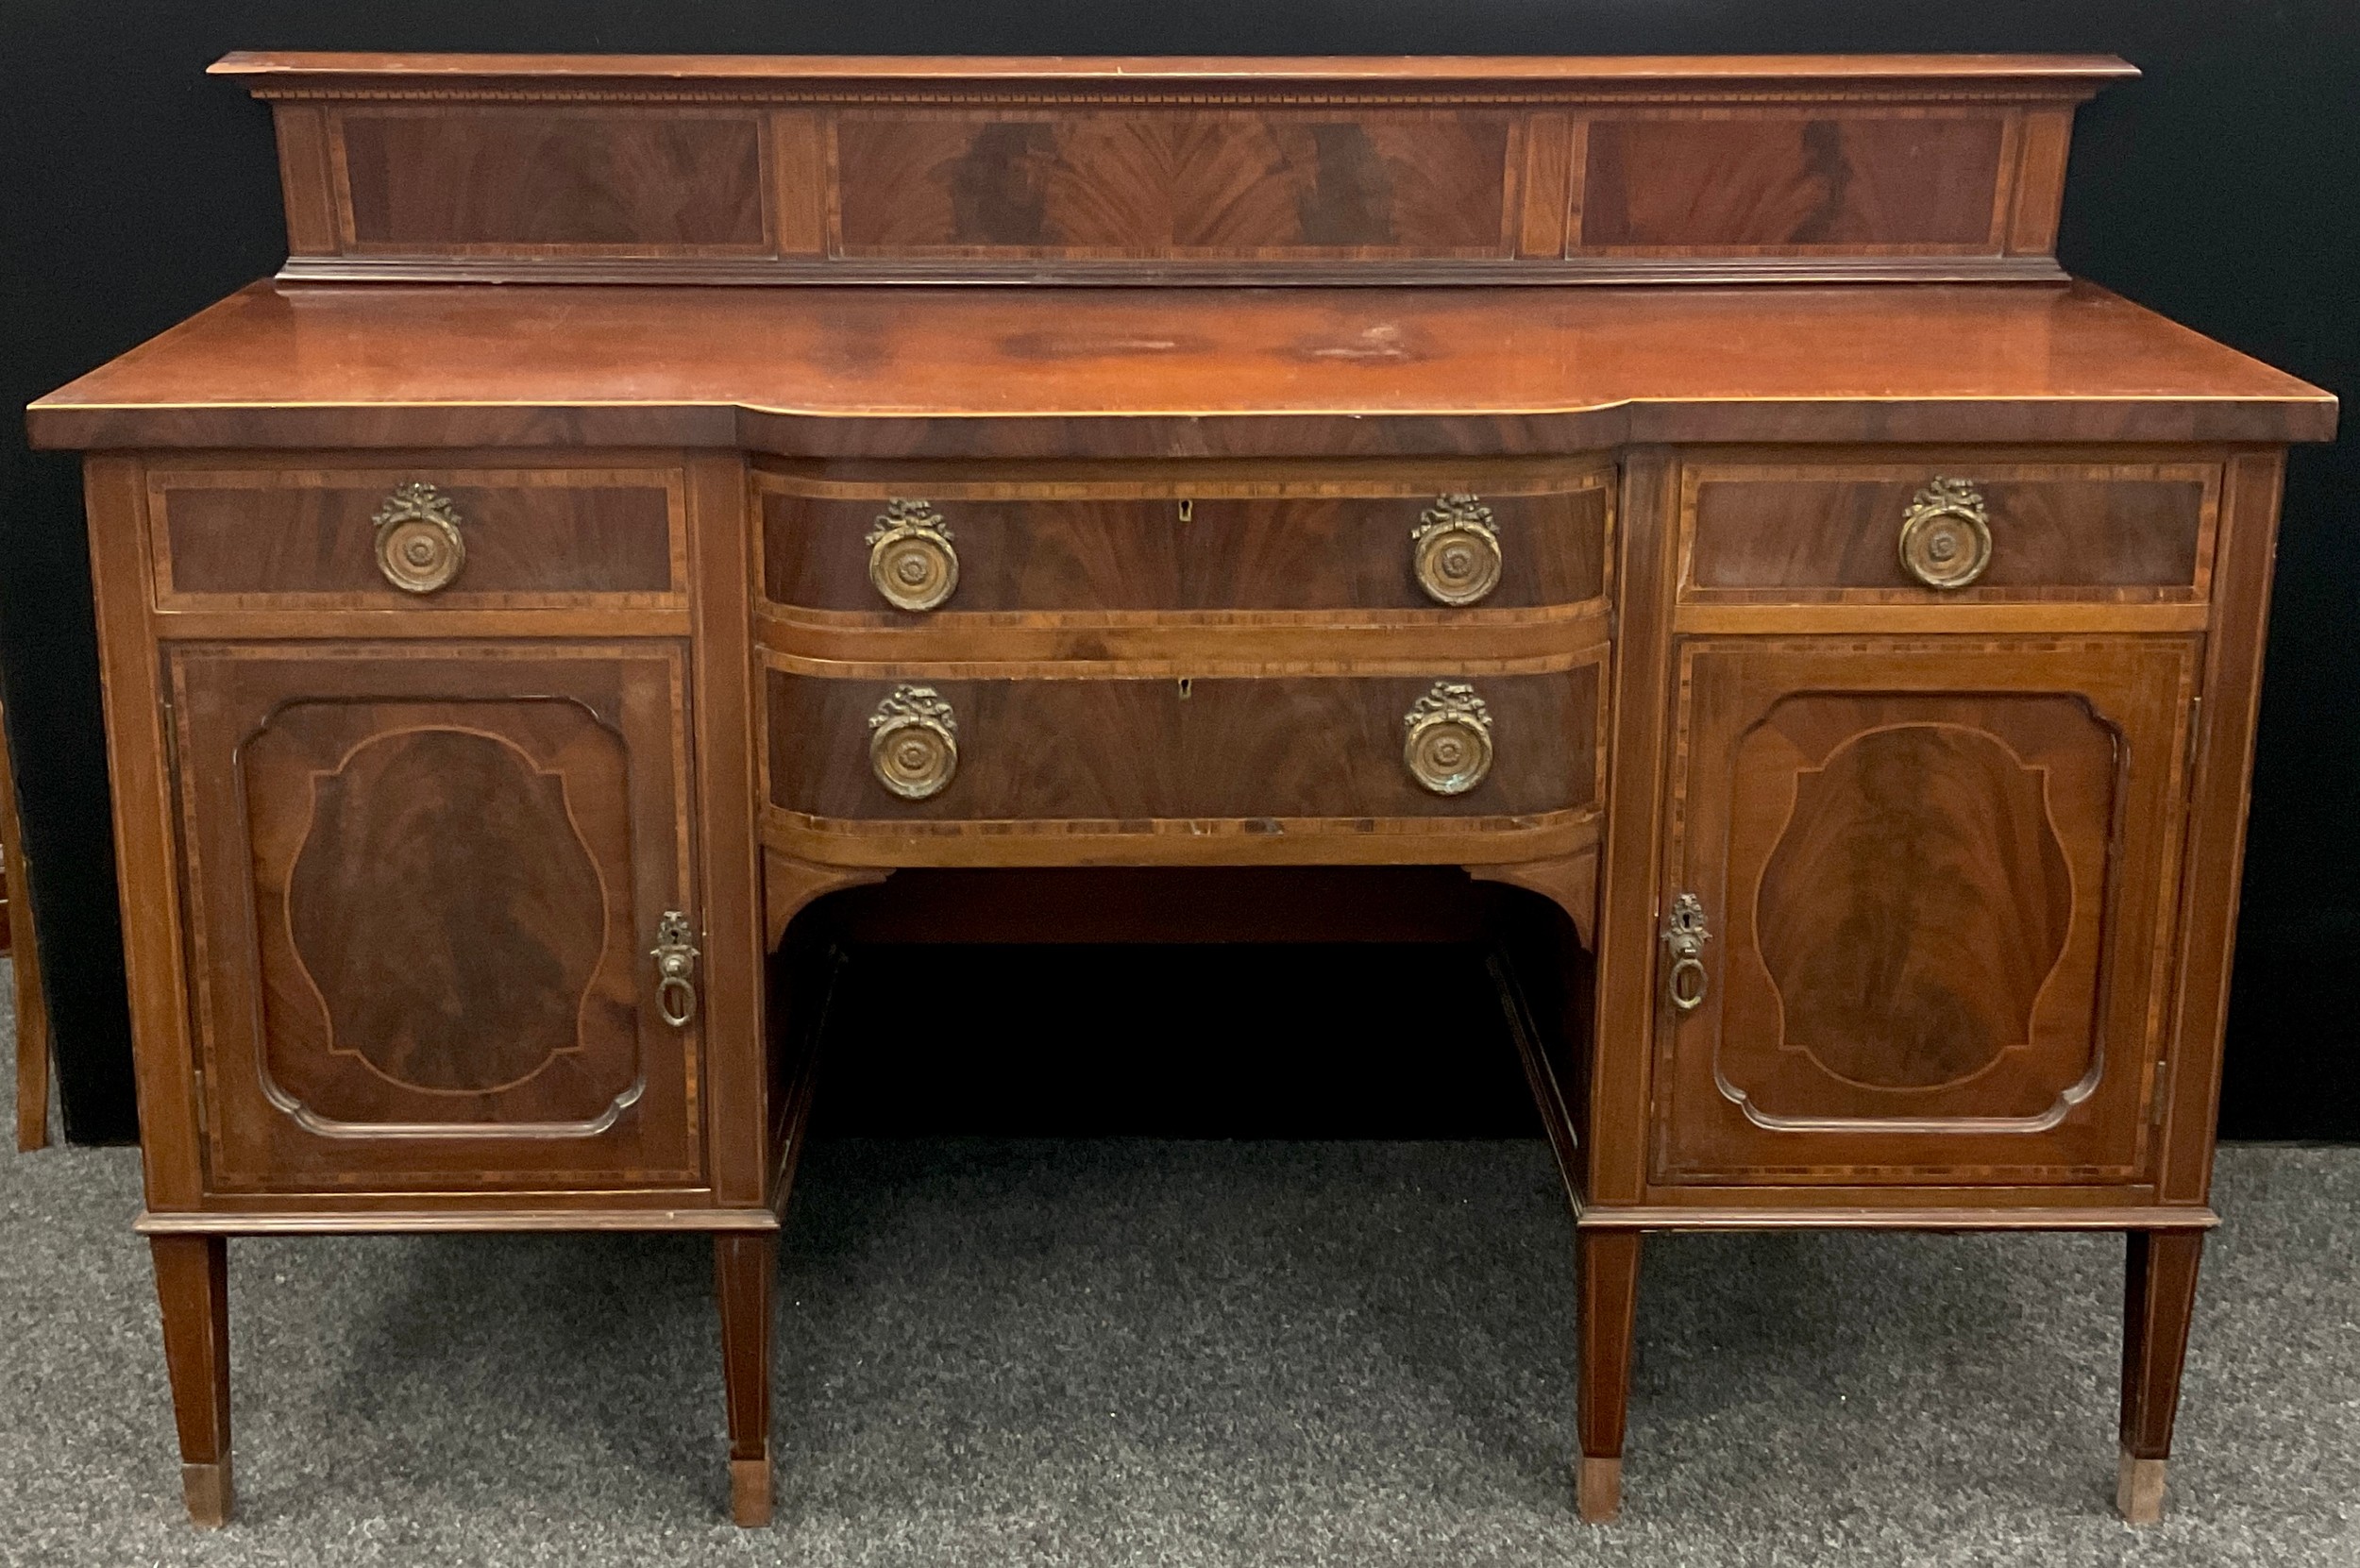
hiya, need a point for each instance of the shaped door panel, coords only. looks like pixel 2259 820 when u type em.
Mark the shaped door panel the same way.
pixel 1935 878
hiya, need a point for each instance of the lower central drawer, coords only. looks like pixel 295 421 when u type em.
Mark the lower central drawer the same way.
pixel 1164 754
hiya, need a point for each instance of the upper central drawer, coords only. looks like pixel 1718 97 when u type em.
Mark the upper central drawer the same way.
pixel 368 537
pixel 1330 551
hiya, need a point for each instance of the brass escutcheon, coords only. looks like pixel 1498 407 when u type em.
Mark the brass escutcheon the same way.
pixel 1946 536
pixel 1448 747
pixel 418 547
pixel 1456 550
pixel 910 559
pixel 914 743
pixel 1684 939
pixel 675 958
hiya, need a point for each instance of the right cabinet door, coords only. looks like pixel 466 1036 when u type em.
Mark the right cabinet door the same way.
pixel 1925 887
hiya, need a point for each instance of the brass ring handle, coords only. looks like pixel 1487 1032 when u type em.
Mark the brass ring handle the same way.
pixel 1448 745
pixel 1456 550
pixel 675 958
pixel 1686 996
pixel 914 743
pixel 418 545
pixel 1946 536
pixel 911 562
pixel 1684 938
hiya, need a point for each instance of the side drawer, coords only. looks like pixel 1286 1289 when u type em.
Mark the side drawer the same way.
pixel 1948 527
pixel 368 536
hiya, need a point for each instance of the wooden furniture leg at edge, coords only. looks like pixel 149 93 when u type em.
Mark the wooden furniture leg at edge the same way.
pixel 743 1265
pixel 1608 1288
pixel 32 1013
pixel 2158 1298
pixel 193 1289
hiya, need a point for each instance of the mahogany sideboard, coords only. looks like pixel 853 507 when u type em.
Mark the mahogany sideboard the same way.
pixel 1808 639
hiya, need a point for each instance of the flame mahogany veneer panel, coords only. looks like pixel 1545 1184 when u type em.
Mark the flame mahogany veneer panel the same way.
pixel 624 181
pixel 1172 183
pixel 1791 183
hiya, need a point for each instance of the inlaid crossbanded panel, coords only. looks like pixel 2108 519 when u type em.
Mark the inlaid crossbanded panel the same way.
pixel 1798 182
pixel 1914 886
pixel 604 181
pixel 1172 182
pixel 426 885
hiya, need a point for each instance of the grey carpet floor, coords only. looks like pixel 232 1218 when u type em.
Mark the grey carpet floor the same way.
pixel 1180 1354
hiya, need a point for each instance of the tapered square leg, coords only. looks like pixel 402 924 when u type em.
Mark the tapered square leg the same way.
pixel 743 1264
pixel 2158 1298
pixel 1610 1296
pixel 193 1289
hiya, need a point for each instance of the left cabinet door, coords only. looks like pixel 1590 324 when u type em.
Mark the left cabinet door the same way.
pixel 424 883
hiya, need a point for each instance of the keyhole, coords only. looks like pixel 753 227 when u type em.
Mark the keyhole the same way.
pixel 1187 512
pixel 1188 684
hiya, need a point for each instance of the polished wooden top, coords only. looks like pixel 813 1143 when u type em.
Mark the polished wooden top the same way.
pixel 944 371
pixel 1603 71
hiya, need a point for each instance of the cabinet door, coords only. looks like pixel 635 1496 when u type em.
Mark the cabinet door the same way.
pixel 424 883
pixel 1934 877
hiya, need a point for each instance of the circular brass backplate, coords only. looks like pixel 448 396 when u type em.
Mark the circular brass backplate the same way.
pixel 915 758
pixel 1458 564
pixel 418 545
pixel 1455 550
pixel 1946 536
pixel 912 564
pixel 913 568
pixel 1447 753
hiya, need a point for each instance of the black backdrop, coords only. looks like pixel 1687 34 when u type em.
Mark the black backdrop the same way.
pixel 2223 189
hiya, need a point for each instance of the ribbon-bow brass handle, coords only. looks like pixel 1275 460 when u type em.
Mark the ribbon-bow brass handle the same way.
pixel 914 743
pixel 910 559
pixel 1684 939
pixel 1456 550
pixel 418 547
pixel 1946 536
pixel 675 958
pixel 1448 746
